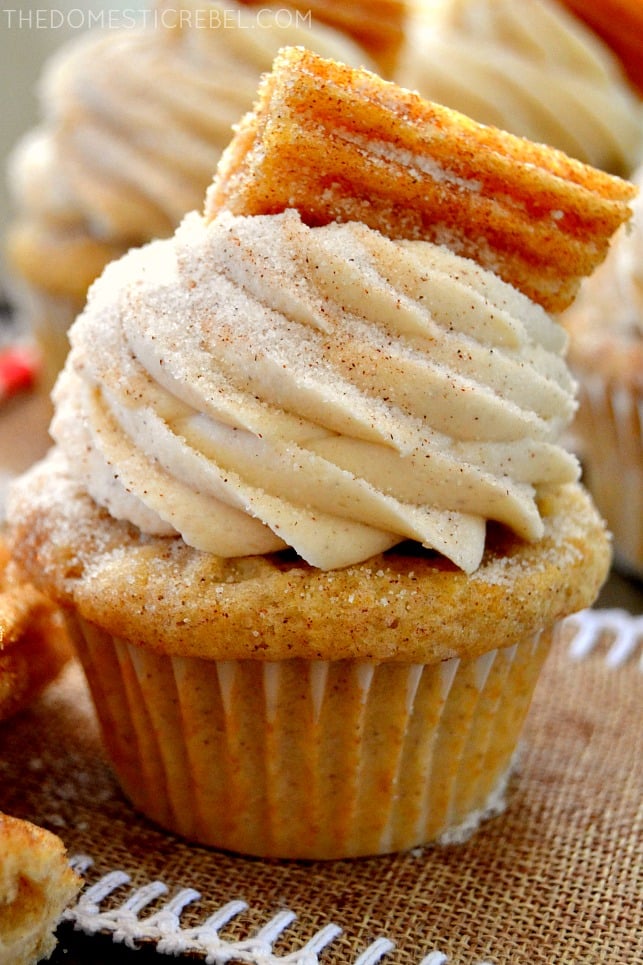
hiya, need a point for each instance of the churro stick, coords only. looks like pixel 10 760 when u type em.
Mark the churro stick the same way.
pixel 341 144
pixel 376 25
pixel 34 646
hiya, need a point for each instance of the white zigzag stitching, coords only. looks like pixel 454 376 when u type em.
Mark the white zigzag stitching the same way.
pixel 163 927
pixel 591 625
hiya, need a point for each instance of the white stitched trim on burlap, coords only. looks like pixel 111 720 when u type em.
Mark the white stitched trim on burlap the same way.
pixel 163 926
pixel 621 632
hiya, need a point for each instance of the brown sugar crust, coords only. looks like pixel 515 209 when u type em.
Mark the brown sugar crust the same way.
pixel 36 884
pixel 376 25
pixel 163 595
pixel 619 23
pixel 62 261
pixel 341 144
pixel 34 645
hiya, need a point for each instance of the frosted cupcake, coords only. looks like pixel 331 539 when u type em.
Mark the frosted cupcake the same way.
pixel 531 68
pixel 307 512
pixel 606 354
pixel 134 122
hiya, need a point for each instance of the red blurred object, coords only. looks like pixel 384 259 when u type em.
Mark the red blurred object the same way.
pixel 19 368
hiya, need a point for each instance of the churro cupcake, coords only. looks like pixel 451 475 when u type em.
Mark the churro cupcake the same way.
pixel 605 326
pixel 307 512
pixel 134 121
pixel 531 68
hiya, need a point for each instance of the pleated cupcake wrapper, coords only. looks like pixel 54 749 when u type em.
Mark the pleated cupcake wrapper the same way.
pixel 610 425
pixel 311 759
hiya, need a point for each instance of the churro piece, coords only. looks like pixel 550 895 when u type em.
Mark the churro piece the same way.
pixel 34 646
pixel 376 25
pixel 341 144
pixel 36 885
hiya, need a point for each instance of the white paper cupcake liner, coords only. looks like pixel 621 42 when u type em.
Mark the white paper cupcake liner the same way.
pixel 311 759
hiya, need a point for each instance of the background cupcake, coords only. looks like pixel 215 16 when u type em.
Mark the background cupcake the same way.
pixel 134 121
pixel 620 24
pixel 606 354
pixel 531 68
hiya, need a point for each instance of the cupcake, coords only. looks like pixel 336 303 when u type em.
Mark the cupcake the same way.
pixel 532 68
pixel 605 326
pixel 306 512
pixel 134 122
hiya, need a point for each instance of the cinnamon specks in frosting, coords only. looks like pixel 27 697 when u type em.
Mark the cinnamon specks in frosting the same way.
pixel 254 383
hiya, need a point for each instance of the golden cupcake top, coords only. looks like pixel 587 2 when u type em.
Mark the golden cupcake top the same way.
pixel 529 67
pixel 300 379
pixel 274 606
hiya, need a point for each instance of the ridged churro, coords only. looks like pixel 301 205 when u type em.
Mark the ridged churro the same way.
pixel 341 144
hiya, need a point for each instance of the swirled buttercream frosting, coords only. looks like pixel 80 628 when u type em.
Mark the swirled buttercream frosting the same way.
pixel 254 384
pixel 135 119
pixel 531 68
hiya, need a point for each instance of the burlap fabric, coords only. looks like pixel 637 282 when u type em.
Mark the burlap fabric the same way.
pixel 556 879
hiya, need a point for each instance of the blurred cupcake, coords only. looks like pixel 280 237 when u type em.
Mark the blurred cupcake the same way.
pixel 619 23
pixel 606 354
pixel 377 26
pixel 531 68
pixel 134 121
pixel 307 512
